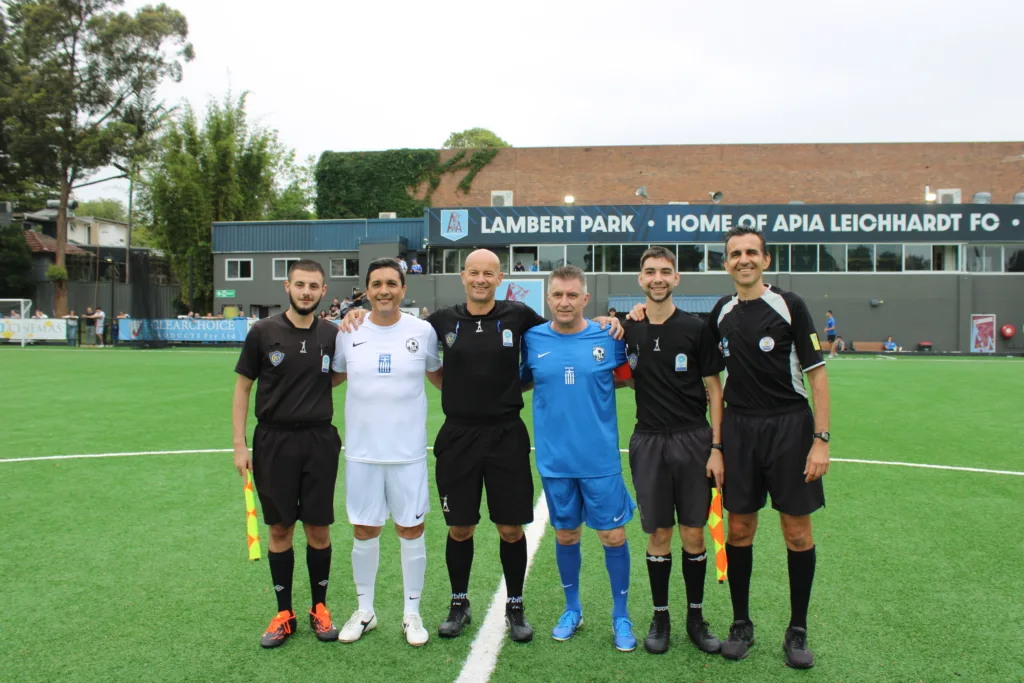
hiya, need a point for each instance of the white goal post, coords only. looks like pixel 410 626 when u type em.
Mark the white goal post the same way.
pixel 23 306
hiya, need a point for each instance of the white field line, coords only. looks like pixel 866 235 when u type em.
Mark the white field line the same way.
pixel 430 448
pixel 483 653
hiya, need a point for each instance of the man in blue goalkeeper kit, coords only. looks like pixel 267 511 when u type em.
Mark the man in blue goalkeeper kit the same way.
pixel 572 367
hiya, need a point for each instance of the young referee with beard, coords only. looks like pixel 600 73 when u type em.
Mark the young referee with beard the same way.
pixel 773 444
pixel 483 442
pixel 673 452
pixel 295 446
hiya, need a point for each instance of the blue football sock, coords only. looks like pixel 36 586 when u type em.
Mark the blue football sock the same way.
pixel 568 558
pixel 617 562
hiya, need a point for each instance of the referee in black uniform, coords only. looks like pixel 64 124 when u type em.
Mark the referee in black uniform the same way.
pixel 483 442
pixel 772 442
pixel 295 446
pixel 673 452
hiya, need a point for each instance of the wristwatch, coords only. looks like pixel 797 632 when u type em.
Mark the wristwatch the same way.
pixel 824 436
pixel 716 446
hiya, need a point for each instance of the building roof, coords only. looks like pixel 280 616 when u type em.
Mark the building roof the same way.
pixel 42 244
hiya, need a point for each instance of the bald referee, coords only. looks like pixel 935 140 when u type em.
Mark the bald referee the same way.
pixel 483 442
pixel 773 443
pixel 295 446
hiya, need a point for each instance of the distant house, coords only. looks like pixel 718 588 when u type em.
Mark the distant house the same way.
pixel 79 262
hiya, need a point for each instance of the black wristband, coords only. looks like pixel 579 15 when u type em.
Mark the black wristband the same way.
pixel 716 446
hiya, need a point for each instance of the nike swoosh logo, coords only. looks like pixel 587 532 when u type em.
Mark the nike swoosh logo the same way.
pixel 420 515
pixel 355 344
pixel 541 355
pixel 414 598
pixel 623 592
pixel 619 517
pixel 566 585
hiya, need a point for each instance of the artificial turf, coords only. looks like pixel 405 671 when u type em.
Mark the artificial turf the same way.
pixel 134 568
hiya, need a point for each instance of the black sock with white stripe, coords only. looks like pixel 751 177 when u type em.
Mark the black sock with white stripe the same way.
pixel 659 571
pixel 694 570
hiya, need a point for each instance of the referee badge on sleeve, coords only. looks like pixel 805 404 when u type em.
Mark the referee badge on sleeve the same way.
pixel 506 338
pixel 325 363
pixel 633 358
pixel 680 362
pixel 766 344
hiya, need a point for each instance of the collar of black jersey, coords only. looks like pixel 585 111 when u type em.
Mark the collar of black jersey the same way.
pixel 767 288
pixel 289 323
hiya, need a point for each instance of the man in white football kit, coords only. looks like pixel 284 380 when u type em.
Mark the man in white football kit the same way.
pixel 384 362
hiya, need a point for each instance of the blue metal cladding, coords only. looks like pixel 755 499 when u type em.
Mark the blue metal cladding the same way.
pixel 255 237
pixel 688 304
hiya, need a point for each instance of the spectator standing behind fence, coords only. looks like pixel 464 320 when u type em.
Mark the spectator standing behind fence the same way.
pixel 101 318
pixel 90 327
pixel 72 323
pixel 415 268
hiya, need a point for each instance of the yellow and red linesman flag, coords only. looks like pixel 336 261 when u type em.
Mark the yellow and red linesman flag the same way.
pixel 715 523
pixel 252 530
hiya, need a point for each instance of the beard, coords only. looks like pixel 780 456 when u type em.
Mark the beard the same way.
pixel 304 309
pixel 654 296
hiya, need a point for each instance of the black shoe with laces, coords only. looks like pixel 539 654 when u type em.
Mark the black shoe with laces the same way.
pixel 701 635
pixel 458 616
pixel 798 655
pixel 741 638
pixel 658 636
pixel 519 630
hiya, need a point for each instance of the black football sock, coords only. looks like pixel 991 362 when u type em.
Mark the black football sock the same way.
pixel 459 557
pixel 741 563
pixel 659 571
pixel 318 562
pixel 513 564
pixel 281 567
pixel 801 577
pixel 694 570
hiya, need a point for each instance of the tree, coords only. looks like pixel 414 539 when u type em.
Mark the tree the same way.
pixel 15 264
pixel 295 201
pixel 474 138
pixel 111 209
pixel 80 64
pixel 219 169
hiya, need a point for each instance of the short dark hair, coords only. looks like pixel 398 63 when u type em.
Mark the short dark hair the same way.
pixel 658 252
pixel 379 263
pixel 308 265
pixel 829 311
pixel 744 229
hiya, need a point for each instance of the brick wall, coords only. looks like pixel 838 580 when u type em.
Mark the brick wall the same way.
pixel 746 174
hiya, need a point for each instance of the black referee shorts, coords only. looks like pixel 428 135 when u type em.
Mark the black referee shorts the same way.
pixel 670 477
pixel 295 471
pixel 767 454
pixel 495 456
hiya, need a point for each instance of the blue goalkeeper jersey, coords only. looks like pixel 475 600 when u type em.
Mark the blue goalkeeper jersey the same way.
pixel 575 426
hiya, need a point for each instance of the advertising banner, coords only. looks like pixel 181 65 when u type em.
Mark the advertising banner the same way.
pixel 186 330
pixel 983 333
pixel 40 329
pixel 794 224
pixel 530 292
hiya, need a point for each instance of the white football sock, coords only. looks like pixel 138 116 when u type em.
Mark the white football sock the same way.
pixel 365 558
pixel 414 568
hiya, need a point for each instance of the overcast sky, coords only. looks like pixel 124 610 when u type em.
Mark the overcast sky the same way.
pixel 373 75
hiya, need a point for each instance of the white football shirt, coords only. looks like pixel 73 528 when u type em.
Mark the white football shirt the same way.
pixel 386 402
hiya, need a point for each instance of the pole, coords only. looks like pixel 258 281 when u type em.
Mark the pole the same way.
pixel 191 288
pixel 128 249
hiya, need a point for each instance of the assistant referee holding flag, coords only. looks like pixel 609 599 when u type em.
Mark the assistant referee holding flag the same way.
pixel 772 442
pixel 295 446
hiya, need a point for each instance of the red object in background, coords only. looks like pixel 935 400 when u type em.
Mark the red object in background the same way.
pixel 1007 331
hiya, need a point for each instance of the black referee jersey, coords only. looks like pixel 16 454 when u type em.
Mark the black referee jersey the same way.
pixel 767 344
pixel 669 363
pixel 292 369
pixel 481 360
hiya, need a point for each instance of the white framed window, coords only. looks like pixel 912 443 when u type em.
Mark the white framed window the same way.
pixel 281 266
pixel 344 267
pixel 238 269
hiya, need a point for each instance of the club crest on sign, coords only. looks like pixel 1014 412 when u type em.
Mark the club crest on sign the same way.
pixel 633 359
pixel 598 353
pixel 506 338
pixel 766 344
pixel 449 339
pixel 276 357
pixel 411 345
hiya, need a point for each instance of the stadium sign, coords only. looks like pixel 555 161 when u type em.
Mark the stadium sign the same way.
pixel 794 224
pixel 188 330
pixel 33 329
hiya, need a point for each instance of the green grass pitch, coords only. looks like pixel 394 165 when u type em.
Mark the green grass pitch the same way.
pixel 134 568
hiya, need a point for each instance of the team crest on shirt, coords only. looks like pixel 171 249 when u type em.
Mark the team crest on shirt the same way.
pixel 633 359
pixel 506 337
pixel 449 339
pixel 766 344
pixel 276 357
pixel 724 347
pixel 411 345
pixel 680 362
pixel 598 353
